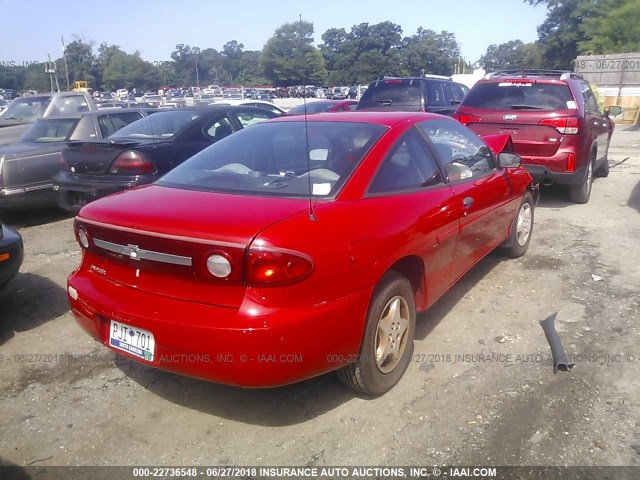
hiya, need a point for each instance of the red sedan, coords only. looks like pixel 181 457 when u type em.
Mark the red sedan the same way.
pixel 294 248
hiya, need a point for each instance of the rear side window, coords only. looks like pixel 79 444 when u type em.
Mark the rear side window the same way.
pixel 113 122
pixel 523 94
pixel 435 94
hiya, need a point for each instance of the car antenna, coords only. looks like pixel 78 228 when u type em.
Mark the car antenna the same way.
pixel 312 215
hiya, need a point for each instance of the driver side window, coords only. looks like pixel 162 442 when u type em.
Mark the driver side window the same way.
pixel 460 153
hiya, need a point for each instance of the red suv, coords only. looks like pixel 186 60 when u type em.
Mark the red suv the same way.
pixel 554 120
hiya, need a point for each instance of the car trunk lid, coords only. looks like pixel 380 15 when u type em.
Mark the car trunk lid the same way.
pixel 95 158
pixel 158 239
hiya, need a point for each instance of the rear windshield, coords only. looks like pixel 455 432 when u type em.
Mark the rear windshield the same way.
pixel 520 95
pixel 160 126
pixel 393 91
pixel 281 159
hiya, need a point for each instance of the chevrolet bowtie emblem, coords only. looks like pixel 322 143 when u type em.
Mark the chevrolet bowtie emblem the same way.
pixel 133 252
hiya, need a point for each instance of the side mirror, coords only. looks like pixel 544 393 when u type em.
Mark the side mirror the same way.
pixel 509 160
pixel 613 111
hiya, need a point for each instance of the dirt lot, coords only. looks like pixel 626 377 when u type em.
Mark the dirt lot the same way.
pixel 481 389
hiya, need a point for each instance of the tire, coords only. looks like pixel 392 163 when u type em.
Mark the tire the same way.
pixel 521 229
pixel 376 371
pixel 581 193
pixel 603 171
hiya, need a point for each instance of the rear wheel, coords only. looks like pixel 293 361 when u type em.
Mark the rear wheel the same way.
pixel 603 171
pixel 581 193
pixel 387 344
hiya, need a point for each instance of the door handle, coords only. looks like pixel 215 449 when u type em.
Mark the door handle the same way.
pixel 467 201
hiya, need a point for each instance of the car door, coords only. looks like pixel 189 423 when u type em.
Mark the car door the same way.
pixel 481 190
pixel 595 119
pixel 409 191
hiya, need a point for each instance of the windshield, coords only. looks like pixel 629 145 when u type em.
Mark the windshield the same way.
pixel 49 130
pixel 311 107
pixel 281 159
pixel 27 109
pixel 160 126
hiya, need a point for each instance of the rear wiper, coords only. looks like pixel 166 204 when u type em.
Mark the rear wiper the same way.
pixel 385 102
pixel 12 118
pixel 525 107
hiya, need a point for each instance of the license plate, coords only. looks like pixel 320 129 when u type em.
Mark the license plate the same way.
pixel 136 341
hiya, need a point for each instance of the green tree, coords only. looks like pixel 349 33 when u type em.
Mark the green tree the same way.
pixel 613 28
pixel 81 62
pixel 289 57
pixel 435 53
pixel 513 54
pixel 363 54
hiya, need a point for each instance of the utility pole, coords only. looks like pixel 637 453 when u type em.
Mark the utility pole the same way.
pixel 66 68
pixel 51 71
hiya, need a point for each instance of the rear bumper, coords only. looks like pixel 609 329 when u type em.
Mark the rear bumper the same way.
pixel 249 346
pixel 74 192
pixel 11 254
pixel 543 175
pixel 29 197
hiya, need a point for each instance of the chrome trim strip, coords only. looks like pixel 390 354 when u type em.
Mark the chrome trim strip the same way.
pixel 162 235
pixel 135 253
pixel 48 186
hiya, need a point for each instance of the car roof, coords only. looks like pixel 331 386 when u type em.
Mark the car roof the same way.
pixel 94 113
pixel 380 118
pixel 537 74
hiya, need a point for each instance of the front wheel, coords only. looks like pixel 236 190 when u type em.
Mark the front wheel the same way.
pixel 521 229
pixel 387 344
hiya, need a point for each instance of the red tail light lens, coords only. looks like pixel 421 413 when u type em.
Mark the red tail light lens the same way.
pixel 64 166
pixel 564 125
pixel 273 267
pixel 132 163
pixel 466 119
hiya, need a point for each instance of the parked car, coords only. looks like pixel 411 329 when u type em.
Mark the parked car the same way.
pixel 22 112
pixel 153 99
pixel 319 106
pixel 554 119
pixel 251 103
pixel 145 150
pixel 11 254
pixel 27 166
pixel 298 247
pixel 429 93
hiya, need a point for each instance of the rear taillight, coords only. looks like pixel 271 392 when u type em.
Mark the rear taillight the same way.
pixel 132 163
pixel 64 166
pixel 466 119
pixel 275 267
pixel 564 125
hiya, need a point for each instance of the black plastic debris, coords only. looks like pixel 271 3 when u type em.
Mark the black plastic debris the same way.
pixel 560 361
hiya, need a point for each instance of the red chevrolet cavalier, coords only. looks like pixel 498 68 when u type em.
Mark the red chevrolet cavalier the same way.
pixel 298 246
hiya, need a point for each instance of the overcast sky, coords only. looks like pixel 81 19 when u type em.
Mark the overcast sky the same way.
pixel 31 28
